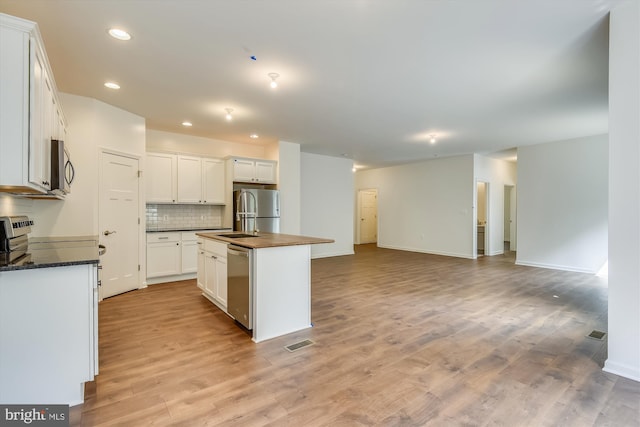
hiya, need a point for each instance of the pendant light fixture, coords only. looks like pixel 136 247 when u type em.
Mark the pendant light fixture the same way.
pixel 274 83
pixel 228 117
pixel 432 138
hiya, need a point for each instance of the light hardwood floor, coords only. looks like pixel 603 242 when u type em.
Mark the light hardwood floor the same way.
pixel 401 339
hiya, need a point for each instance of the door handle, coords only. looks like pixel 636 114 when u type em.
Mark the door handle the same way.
pixel 107 232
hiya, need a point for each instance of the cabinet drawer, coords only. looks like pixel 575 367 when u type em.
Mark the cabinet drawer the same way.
pixel 163 237
pixel 188 236
pixel 217 248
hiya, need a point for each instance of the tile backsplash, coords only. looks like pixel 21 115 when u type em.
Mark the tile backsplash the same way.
pixel 160 217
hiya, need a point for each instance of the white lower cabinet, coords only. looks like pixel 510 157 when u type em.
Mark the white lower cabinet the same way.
pixel 189 252
pixel 176 255
pixel 212 271
pixel 163 254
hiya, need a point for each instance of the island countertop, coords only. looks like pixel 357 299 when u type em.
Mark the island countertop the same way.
pixel 266 240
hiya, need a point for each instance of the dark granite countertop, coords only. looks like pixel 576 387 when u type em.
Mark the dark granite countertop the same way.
pixel 55 252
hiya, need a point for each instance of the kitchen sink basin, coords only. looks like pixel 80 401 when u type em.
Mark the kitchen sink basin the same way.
pixel 237 235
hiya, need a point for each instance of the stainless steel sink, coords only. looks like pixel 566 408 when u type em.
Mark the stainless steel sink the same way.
pixel 237 235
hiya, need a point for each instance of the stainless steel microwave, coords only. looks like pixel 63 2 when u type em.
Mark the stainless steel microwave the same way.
pixel 62 171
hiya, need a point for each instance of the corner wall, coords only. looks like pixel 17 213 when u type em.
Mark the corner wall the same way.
pixel 327 203
pixel 562 204
pixel 624 192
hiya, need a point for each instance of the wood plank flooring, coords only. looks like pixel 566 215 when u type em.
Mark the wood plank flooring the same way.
pixel 401 339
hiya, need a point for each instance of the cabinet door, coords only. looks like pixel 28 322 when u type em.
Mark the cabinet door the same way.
pixel 221 281
pixel 244 170
pixel 201 278
pixel 160 179
pixel 265 172
pixel 41 103
pixel 213 182
pixel 189 257
pixel 163 259
pixel 210 274
pixel 189 179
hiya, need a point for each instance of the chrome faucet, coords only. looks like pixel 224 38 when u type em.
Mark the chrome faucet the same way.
pixel 246 214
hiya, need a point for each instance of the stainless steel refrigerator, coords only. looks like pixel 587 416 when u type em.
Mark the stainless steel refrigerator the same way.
pixel 256 210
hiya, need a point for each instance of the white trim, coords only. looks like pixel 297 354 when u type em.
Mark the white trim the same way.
pixel 402 248
pixel 622 370
pixel 555 267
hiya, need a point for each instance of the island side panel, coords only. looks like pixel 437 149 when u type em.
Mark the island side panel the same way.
pixel 281 291
pixel 46 333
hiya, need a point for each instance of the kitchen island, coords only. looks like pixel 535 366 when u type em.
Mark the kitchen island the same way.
pixel 279 280
pixel 49 321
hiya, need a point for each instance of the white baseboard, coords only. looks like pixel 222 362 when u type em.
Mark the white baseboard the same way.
pixel 403 248
pixel 555 267
pixel 622 370
pixel 165 279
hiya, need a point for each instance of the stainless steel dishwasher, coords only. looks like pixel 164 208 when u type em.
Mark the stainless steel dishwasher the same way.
pixel 239 292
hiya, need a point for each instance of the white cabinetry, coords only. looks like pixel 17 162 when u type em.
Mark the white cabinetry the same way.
pixel 48 331
pixel 163 254
pixel 175 255
pixel 161 178
pixel 212 271
pixel 189 252
pixel 213 181
pixel 189 179
pixel 172 178
pixel 30 113
pixel 256 171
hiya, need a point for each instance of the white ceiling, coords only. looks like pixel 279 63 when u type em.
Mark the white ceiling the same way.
pixel 364 79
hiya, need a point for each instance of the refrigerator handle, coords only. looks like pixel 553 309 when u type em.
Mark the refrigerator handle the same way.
pixel 278 204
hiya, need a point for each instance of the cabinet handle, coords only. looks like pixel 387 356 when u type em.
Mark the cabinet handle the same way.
pixel 163 238
pixel 177 244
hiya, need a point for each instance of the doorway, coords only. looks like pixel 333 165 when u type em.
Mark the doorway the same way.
pixel 482 227
pixel 510 218
pixel 367 224
pixel 119 224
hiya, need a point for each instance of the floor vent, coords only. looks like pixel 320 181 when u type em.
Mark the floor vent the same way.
pixel 597 335
pixel 299 345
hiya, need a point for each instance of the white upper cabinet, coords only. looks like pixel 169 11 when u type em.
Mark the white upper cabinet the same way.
pixel 30 113
pixel 256 171
pixel 213 181
pixel 161 178
pixel 172 178
pixel 189 179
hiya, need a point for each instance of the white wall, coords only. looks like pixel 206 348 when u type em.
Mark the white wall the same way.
pixel 496 173
pixel 562 204
pixel 92 125
pixel 425 207
pixel 289 186
pixel 199 146
pixel 624 192
pixel 327 203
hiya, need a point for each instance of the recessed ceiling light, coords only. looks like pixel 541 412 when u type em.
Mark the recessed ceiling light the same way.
pixel 119 34
pixel 187 124
pixel 228 117
pixel 432 138
pixel 253 136
pixel 112 85
pixel 274 83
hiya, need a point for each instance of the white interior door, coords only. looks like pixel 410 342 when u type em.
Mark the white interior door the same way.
pixel 119 228
pixel 368 216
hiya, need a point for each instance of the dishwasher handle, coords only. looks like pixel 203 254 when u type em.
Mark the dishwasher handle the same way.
pixel 244 253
